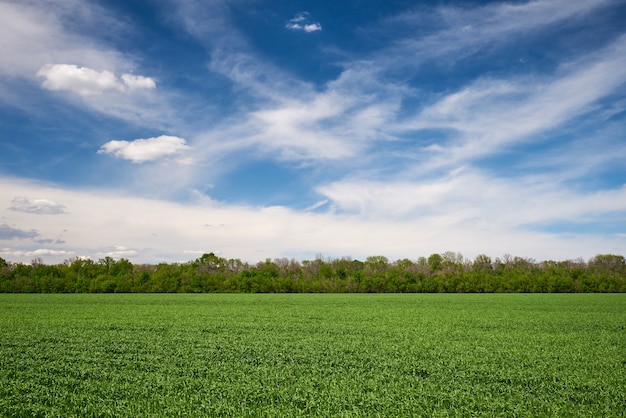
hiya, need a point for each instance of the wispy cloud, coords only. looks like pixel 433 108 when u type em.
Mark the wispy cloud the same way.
pixel 487 114
pixel 463 32
pixel 34 33
pixel 370 103
pixel 472 195
pixel 491 114
pixel 306 129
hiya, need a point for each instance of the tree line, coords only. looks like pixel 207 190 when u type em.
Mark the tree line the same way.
pixel 449 272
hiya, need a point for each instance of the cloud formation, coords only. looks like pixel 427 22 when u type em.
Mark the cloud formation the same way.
pixel 301 22
pixel 454 215
pixel 86 81
pixel 37 205
pixel 148 149
pixel 470 195
pixel 62 254
pixel 490 115
pixel 495 127
pixel 136 82
pixel 8 233
pixel 59 46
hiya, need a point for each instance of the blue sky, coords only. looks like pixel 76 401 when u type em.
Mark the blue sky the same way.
pixel 160 130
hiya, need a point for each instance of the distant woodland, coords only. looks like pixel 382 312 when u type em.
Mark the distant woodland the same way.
pixel 449 272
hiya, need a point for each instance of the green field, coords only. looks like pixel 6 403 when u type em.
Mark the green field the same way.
pixel 313 355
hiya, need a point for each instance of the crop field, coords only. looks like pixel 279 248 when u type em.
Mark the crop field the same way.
pixel 313 355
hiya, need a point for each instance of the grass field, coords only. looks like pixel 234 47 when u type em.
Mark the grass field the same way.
pixel 313 355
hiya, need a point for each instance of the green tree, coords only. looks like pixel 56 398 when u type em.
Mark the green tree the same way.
pixel 435 261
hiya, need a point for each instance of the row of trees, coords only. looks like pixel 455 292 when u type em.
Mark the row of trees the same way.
pixel 447 272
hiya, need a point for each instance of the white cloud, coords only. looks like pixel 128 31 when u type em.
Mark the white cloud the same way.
pixel 370 100
pixel 363 106
pixel 466 212
pixel 470 195
pixel 86 81
pixel 491 114
pixel 296 128
pixel 415 213
pixel 300 17
pixel 37 205
pixel 138 82
pixel 316 205
pixel 337 123
pixel 81 80
pixel 312 27
pixel 104 92
pixel 148 149
pixel 326 126
pixel 302 22
pixel 22 254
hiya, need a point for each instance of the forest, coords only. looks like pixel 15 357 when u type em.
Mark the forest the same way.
pixel 449 272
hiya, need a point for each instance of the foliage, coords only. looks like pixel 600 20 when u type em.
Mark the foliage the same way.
pixel 449 272
pixel 312 355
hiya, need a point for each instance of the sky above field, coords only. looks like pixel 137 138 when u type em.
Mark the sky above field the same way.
pixel 160 130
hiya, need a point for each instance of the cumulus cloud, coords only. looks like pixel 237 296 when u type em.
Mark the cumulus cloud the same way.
pixel 8 233
pixel 81 80
pixel 37 205
pixel 302 22
pixel 312 27
pixel 87 81
pixel 148 149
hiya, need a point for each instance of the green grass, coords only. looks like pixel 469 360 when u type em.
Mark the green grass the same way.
pixel 313 355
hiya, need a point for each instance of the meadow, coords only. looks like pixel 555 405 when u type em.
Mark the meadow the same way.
pixel 312 355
